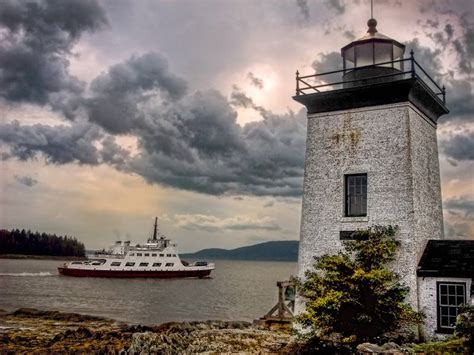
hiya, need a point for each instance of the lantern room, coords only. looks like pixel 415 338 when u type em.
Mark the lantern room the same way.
pixel 373 49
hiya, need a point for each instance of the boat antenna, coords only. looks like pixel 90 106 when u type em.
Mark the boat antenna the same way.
pixel 155 230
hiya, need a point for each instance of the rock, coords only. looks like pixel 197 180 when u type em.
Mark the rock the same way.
pixel 55 315
pixel 391 346
pixel 36 331
pixel 369 348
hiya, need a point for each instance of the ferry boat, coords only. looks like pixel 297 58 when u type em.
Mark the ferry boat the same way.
pixel 156 258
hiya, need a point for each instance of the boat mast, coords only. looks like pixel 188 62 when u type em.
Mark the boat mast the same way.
pixel 155 230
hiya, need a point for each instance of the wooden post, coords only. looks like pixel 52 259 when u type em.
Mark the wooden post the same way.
pixel 283 311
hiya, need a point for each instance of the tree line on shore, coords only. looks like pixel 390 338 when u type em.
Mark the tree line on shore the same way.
pixel 17 241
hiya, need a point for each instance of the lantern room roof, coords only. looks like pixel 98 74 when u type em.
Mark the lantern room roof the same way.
pixel 372 35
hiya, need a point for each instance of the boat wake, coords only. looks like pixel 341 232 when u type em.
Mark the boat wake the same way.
pixel 31 274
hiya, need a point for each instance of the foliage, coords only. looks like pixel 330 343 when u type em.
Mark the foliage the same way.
pixel 29 243
pixel 449 346
pixel 465 325
pixel 353 295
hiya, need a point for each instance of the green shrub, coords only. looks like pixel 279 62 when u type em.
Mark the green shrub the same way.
pixel 354 297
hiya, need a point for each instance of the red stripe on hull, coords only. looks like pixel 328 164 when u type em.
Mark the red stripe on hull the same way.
pixel 130 274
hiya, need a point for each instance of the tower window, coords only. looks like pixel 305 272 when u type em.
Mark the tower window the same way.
pixel 450 297
pixel 356 195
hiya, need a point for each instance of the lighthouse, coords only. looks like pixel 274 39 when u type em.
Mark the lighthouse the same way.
pixel 371 153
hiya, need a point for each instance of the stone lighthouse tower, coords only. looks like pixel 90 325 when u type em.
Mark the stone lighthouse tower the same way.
pixel 372 155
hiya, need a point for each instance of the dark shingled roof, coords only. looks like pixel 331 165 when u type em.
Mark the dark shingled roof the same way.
pixel 447 258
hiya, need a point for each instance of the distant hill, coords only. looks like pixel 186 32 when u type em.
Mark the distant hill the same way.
pixel 286 250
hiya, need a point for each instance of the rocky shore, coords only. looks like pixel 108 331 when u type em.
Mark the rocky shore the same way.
pixel 29 330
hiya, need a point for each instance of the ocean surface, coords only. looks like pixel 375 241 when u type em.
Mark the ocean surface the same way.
pixel 237 290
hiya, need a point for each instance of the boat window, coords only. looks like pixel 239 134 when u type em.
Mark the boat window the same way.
pixel 115 263
pixel 147 254
pixel 139 254
pixel 156 264
pixel 132 254
pixel 77 262
pixel 174 255
pixel 169 264
pixel 129 264
pixel 143 264
pixel 162 255
pixel 153 254
pixel 168 255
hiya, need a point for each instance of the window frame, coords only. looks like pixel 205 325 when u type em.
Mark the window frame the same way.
pixel 440 328
pixel 346 194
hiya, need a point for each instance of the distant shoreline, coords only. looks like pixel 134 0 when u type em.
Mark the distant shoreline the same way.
pixel 40 257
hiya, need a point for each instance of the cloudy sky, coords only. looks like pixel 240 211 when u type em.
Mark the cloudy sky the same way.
pixel 112 112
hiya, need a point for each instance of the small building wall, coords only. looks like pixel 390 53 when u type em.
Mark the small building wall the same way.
pixel 427 297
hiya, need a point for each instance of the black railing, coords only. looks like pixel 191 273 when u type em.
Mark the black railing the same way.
pixel 303 87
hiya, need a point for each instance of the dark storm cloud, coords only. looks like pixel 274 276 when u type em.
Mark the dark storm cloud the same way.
pixel 58 144
pixel 458 37
pixel 112 153
pixel 464 46
pixel 26 180
pixel 350 35
pixel 185 140
pixel 196 144
pixel 327 62
pixel 36 38
pixel 304 8
pixel 463 204
pixel 456 230
pixel 459 89
pixel 257 82
pixel 240 98
pixel 339 6
pixel 459 147
pixel 449 30
pixel 117 94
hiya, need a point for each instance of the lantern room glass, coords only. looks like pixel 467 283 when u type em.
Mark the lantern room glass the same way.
pixel 373 53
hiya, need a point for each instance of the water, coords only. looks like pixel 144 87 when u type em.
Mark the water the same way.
pixel 238 290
